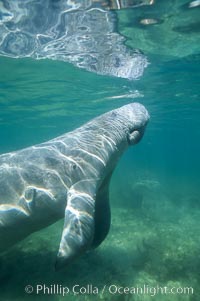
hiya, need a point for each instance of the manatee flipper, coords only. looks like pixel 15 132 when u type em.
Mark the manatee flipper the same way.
pixel 11 218
pixel 78 231
pixel 10 214
pixel 102 213
pixel 35 200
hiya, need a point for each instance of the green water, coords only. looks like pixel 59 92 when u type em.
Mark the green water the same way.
pixel 155 197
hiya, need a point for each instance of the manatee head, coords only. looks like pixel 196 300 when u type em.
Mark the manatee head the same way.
pixel 138 118
pixel 123 126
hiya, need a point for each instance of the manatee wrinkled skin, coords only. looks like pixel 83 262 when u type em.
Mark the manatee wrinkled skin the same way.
pixel 67 177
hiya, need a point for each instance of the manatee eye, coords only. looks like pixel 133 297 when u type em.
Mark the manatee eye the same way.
pixel 117 62
pixel 76 226
pixel 74 166
pixel 113 114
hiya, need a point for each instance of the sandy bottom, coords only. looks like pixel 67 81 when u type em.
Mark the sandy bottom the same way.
pixel 153 249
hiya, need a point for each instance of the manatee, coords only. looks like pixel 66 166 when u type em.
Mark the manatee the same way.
pixel 67 177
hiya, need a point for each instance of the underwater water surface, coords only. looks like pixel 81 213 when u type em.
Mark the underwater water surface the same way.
pixel 47 89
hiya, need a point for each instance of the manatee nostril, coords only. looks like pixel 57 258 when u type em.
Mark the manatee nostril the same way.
pixel 74 166
pixel 114 114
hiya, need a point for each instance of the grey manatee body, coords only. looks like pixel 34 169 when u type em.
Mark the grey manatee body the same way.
pixel 67 177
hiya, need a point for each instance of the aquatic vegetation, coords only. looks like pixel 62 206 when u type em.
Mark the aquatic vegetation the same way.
pixel 140 249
